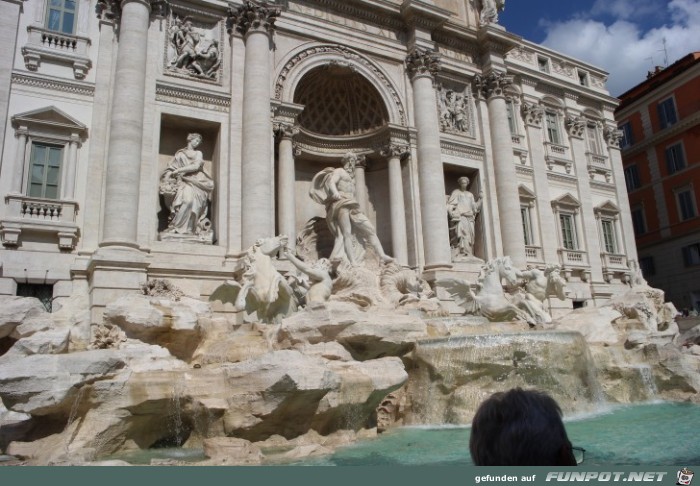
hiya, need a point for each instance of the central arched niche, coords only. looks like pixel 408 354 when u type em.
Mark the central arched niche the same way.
pixel 339 101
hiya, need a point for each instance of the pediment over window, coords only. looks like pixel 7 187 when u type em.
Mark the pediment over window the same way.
pixel 50 122
pixel 525 193
pixel 50 117
pixel 607 208
pixel 567 201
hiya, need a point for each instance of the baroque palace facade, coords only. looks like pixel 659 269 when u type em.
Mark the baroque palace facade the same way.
pixel 149 139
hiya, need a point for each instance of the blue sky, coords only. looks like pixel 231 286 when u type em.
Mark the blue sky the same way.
pixel 623 37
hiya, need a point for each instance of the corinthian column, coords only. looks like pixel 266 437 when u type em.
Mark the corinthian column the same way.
pixel 126 125
pixel 492 87
pixel 422 66
pixel 255 21
pixel 286 213
pixel 399 244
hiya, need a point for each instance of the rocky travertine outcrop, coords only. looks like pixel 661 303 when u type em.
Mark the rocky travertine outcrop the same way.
pixel 16 310
pixel 180 376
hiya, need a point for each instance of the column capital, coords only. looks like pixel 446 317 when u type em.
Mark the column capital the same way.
pixel 421 62
pixel 395 150
pixel 493 84
pixel 575 125
pixel 612 136
pixel 361 162
pixel 532 114
pixel 252 16
pixel 285 130
pixel 111 10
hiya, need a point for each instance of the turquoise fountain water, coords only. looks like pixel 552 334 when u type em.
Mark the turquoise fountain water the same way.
pixel 643 434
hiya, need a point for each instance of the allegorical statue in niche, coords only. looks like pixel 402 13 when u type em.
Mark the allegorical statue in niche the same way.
pixel 488 13
pixel 463 209
pixel 335 189
pixel 186 189
pixel 194 53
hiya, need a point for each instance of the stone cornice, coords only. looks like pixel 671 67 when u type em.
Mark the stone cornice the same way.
pixel 74 87
pixel 252 16
pixel 452 147
pixel 417 13
pixel 192 97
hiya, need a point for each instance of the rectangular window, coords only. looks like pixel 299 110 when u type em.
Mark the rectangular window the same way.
pixel 691 254
pixel 527 224
pixel 43 292
pixel 44 170
pixel 627 138
pixel 552 127
pixel 686 204
pixel 511 118
pixel 638 222
pixel 667 113
pixel 632 178
pixel 646 264
pixel 543 64
pixel 675 160
pixel 607 225
pixel 593 140
pixel 568 231
pixel 582 78
pixel 60 16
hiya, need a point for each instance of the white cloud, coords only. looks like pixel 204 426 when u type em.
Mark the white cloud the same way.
pixel 623 48
pixel 626 9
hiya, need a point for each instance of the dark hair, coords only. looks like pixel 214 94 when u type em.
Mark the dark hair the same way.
pixel 520 428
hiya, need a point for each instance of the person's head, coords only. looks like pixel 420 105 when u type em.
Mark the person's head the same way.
pixel 520 428
pixel 194 139
pixel 349 161
pixel 463 182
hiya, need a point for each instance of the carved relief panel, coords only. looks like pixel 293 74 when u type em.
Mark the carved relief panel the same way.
pixel 456 110
pixel 194 45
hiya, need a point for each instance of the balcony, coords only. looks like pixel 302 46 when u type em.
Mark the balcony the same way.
pixel 533 253
pixel 573 258
pixel 558 156
pixel 598 168
pixel 47 45
pixel 35 215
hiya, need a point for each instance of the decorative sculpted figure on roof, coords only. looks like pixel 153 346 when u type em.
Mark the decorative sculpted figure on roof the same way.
pixel 335 189
pixel 186 189
pixel 488 13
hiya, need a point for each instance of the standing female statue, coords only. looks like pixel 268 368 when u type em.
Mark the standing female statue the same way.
pixel 186 189
pixel 462 209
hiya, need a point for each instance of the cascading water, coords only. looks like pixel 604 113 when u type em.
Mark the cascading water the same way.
pixel 647 377
pixel 450 377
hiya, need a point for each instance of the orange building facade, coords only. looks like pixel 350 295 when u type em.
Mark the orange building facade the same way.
pixel 660 120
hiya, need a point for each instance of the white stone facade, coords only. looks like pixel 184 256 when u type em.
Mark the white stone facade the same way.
pixel 298 84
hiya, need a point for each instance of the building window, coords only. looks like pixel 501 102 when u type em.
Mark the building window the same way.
pixel 627 138
pixel 667 113
pixel 43 292
pixel 686 203
pixel 527 225
pixel 675 160
pixel 511 118
pixel 543 64
pixel 638 222
pixel 552 121
pixel 61 16
pixel 593 139
pixel 691 254
pixel 608 228
pixel 44 170
pixel 568 231
pixel 632 178
pixel 646 264
pixel 582 78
